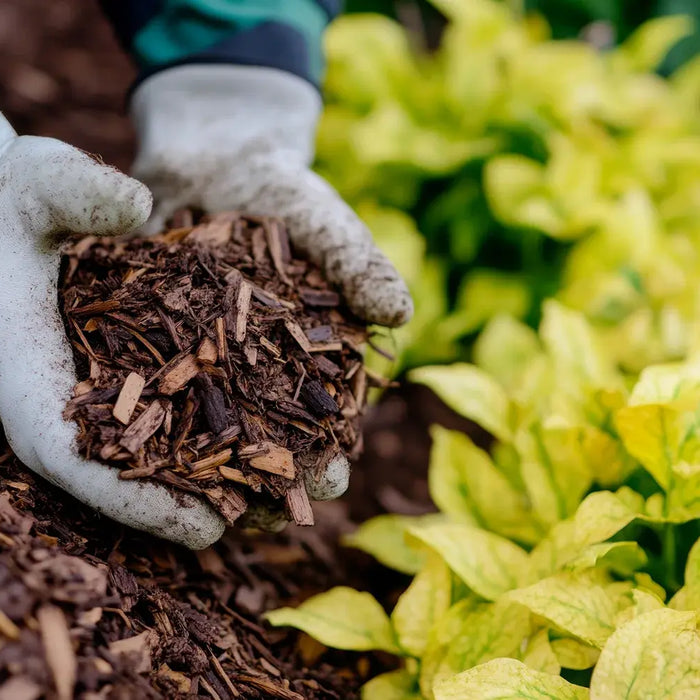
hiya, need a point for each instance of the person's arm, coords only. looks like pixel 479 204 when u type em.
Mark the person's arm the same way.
pixel 282 34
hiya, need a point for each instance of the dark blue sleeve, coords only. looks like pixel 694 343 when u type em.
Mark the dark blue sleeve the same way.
pixel 284 34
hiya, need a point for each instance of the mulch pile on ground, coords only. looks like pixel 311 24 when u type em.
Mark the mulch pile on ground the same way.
pixel 210 359
pixel 90 609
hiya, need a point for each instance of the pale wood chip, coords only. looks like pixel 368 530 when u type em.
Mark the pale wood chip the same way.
pixel 298 334
pixel 207 351
pixel 179 375
pixel 230 504
pixel 8 628
pixel 137 648
pixel 83 387
pixel 181 681
pixel 277 252
pixel 251 353
pixel 128 397
pixel 270 347
pixel 216 233
pixel 299 505
pixel 232 474
pixel 268 457
pixel 245 291
pixel 359 388
pixel 214 460
pixel 326 347
pixel 221 341
pixel 259 246
pixel 143 427
pixel 58 649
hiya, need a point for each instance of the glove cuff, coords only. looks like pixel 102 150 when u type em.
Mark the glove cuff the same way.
pixel 195 110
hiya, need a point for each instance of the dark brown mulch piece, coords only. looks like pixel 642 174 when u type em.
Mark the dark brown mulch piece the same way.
pixel 212 360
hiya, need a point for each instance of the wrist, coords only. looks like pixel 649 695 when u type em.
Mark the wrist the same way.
pixel 215 109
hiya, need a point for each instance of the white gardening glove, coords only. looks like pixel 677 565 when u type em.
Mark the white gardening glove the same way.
pixel 47 191
pixel 222 137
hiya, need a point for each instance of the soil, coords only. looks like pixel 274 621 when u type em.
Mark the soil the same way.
pixel 148 619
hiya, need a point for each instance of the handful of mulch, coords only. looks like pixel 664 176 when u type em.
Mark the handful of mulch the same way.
pixel 212 360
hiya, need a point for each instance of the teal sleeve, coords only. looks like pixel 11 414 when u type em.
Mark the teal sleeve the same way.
pixel 285 34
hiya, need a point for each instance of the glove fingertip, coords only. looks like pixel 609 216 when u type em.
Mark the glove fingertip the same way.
pixel 333 483
pixel 387 303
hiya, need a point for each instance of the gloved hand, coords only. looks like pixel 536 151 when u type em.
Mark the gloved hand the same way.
pixel 221 137
pixel 48 190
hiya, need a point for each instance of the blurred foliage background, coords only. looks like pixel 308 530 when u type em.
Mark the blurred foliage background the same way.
pixel 485 142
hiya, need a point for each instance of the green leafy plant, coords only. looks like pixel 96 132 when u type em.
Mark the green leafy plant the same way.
pixel 565 558
pixel 531 168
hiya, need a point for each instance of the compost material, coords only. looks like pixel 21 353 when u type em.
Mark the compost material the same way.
pixel 211 359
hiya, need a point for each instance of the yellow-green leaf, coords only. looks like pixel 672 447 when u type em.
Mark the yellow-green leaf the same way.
pixel 538 654
pixel 677 384
pixel 573 603
pixel 384 537
pixel 574 654
pixel 599 516
pixel 488 631
pixel 621 557
pixel 506 679
pixel 465 484
pixel 505 349
pixel 423 603
pixel 396 685
pixel 472 393
pixel 577 352
pixel 342 618
pixel 490 565
pixel 660 437
pixel 554 469
pixel 655 656
pixel 485 293
pixel 688 597
pixel 648 45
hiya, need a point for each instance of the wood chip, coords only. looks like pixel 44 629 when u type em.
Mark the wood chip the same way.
pixel 245 291
pixel 97 307
pixel 215 460
pixel 298 334
pixel 232 474
pixel 275 244
pixel 318 297
pixel 215 232
pixel 128 397
pixel 269 457
pixel 221 342
pixel 58 649
pixel 207 351
pixel 137 649
pixel 8 628
pixel 143 427
pixel 181 373
pixel 298 505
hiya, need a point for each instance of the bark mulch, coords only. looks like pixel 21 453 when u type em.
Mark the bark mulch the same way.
pixel 213 360
pixel 89 609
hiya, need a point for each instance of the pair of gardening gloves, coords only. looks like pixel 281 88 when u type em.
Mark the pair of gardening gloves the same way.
pixel 215 137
